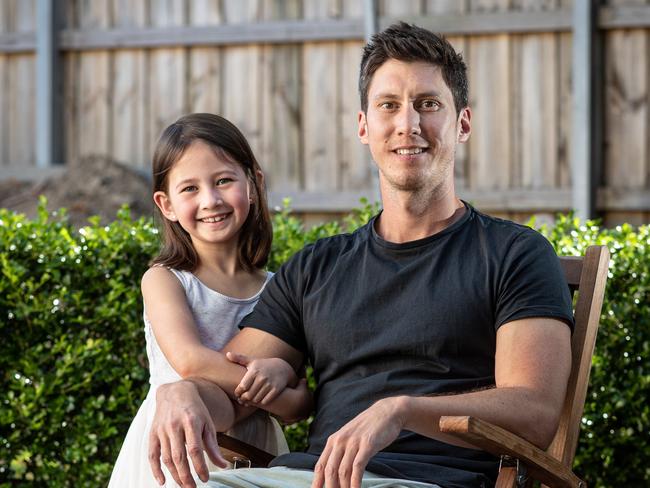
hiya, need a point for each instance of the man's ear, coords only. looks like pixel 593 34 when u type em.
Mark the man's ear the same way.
pixel 363 127
pixel 464 124
pixel 161 200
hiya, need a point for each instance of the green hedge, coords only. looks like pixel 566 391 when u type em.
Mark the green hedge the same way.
pixel 72 360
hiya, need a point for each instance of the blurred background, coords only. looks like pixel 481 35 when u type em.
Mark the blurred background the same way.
pixel 558 88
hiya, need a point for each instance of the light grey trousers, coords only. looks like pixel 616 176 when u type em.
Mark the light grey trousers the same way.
pixel 282 477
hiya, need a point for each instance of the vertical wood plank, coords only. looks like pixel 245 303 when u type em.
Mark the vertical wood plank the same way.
pixel 489 64
pixel 94 89
pixel 205 62
pixel 355 163
pixel 281 151
pixel 565 102
pixel 437 7
pixel 131 138
pixel 167 68
pixel 321 68
pixel 70 88
pixel 535 125
pixel 5 121
pixel 393 9
pixel 22 89
pixel 627 118
pixel 241 75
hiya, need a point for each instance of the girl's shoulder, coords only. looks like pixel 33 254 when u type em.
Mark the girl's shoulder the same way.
pixel 162 276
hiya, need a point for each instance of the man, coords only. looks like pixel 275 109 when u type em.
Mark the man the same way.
pixel 431 309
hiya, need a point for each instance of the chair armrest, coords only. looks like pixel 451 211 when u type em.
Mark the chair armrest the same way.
pixel 235 450
pixel 498 441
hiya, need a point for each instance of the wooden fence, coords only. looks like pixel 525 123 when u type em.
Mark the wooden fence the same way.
pixel 286 71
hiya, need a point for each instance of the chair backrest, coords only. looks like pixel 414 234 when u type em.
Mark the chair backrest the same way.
pixel 586 276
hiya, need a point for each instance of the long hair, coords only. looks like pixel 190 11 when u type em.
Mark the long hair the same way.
pixel 228 142
pixel 410 43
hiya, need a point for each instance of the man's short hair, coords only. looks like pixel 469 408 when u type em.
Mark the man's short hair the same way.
pixel 410 43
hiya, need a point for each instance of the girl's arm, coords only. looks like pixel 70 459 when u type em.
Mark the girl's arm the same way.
pixel 177 335
pixel 264 380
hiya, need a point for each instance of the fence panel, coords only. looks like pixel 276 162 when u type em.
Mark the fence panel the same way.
pixel 297 102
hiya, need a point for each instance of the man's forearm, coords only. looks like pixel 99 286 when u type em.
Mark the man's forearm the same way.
pixel 516 409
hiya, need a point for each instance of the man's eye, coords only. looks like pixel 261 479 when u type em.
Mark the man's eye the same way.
pixel 430 105
pixel 387 105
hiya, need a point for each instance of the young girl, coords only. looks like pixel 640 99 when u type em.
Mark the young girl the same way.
pixel 208 188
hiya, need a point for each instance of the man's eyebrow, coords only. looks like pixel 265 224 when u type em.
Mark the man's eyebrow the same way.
pixel 393 96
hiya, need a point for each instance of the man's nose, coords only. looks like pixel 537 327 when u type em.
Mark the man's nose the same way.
pixel 408 121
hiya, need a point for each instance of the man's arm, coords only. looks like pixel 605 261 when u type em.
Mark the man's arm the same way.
pixel 532 366
pixel 190 412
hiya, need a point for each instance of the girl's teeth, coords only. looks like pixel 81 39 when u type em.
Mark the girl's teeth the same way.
pixel 416 150
pixel 211 220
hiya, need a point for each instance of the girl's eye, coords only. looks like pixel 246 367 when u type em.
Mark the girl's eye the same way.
pixel 189 188
pixel 223 181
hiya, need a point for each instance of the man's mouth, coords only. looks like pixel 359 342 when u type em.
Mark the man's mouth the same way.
pixel 407 151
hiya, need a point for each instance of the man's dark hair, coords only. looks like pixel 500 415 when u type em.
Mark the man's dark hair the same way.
pixel 407 42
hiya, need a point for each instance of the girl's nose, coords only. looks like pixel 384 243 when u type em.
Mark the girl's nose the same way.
pixel 211 198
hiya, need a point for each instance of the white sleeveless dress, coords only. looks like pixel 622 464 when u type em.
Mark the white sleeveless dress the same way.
pixel 216 317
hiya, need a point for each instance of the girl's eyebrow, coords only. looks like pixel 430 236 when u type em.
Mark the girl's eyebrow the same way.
pixel 216 174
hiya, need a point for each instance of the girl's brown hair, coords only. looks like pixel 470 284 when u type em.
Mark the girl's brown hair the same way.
pixel 229 143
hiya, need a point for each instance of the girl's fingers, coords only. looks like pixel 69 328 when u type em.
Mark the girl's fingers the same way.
pixel 235 357
pixel 263 391
pixel 245 383
pixel 270 396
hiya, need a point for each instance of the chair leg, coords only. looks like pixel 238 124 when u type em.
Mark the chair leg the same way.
pixel 508 478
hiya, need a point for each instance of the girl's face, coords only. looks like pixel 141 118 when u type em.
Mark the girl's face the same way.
pixel 208 196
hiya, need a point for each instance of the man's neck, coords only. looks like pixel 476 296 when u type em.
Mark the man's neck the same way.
pixel 408 218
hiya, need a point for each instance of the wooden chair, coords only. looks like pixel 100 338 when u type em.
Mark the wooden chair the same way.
pixel 521 462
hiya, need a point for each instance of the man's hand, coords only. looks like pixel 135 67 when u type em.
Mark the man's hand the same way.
pixel 347 452
pixel 182 419
pixel 264 380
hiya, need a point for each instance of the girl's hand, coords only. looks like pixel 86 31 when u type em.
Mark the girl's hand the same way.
pixel 264 379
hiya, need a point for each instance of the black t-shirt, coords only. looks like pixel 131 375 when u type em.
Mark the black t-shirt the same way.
pixel 378 319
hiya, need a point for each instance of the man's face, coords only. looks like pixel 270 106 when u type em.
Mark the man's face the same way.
pixel 412 128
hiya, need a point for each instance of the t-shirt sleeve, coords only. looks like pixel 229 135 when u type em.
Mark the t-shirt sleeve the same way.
pixel 279 309
pixel 532 283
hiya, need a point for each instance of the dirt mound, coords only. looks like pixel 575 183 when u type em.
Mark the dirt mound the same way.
pixel 94 186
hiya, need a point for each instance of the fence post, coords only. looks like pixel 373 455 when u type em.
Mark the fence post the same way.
pixel 586 157
pixel 371 26
pixel 48 99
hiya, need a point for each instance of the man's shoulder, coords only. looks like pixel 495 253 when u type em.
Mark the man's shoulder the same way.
pixel 335 245
pixel 503 229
